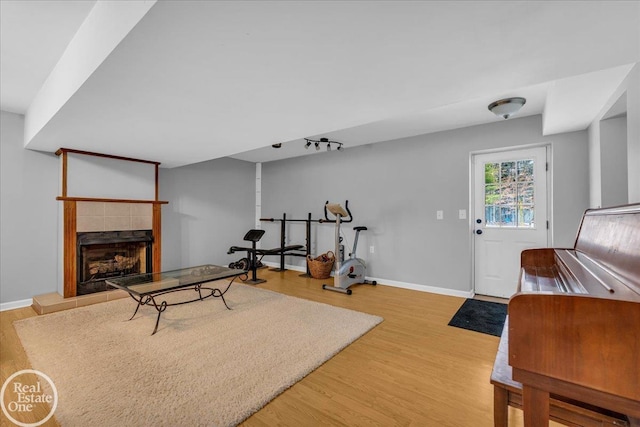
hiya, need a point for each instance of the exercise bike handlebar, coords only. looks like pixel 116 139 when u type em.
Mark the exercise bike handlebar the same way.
pixel 343 219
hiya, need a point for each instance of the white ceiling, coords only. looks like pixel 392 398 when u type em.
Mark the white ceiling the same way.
pixel 33 36
pixel 196 80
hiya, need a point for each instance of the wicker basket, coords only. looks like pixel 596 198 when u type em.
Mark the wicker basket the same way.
pixel 321 266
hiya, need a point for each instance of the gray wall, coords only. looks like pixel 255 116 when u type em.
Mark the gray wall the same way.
pixel 613 161
pixel 211 207
pixel 393 187
pixel 29 220
pixel 396 187
pixel 91 176
pixel 630 89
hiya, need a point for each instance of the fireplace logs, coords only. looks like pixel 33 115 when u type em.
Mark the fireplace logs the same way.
pixel 119 263
pixel 102 255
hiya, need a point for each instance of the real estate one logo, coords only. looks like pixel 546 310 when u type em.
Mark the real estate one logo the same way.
pixel 25 391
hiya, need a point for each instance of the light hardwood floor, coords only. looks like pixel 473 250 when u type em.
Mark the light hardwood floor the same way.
pixel 411 370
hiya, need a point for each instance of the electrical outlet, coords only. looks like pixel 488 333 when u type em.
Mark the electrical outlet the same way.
pixel 439 214
pixel 372 249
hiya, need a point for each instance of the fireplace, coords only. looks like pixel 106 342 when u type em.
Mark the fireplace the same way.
pixel 106 254
pixel 107 237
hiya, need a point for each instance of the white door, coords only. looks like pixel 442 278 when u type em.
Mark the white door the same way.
pixel 509 215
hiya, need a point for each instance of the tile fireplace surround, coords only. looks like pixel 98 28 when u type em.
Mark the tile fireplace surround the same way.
pixel 82 215
pixel 105 216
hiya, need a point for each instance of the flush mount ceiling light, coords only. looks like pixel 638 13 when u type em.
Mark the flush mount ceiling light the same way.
pixel 320 141
pixel 507 107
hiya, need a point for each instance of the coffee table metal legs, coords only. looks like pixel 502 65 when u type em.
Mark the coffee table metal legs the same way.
pixel 162 306
pixel 145 301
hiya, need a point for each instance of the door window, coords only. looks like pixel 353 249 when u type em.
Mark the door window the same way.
pixel 509 195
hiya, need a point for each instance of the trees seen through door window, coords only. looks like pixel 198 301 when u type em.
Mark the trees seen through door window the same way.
pixel 508 194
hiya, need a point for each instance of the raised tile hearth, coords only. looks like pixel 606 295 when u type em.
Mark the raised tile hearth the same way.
pixel 53 302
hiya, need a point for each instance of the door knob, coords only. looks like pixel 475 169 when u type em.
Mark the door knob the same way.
pixel 478 231
pixel 479 221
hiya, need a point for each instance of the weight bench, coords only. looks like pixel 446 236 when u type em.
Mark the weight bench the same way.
pixel 507 392
pixel 254 236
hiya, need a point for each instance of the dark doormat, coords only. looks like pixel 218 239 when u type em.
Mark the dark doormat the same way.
pixel 481 316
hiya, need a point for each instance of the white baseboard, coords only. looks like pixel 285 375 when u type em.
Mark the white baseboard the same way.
pixel 15 304
pixel 300 268
pixel 394 283
pixel 423 288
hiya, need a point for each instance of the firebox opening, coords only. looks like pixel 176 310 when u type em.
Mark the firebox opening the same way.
pixel 102 255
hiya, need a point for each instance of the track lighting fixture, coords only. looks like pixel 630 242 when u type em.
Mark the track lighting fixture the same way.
pixel 317 143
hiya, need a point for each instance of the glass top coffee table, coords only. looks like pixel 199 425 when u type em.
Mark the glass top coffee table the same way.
pixel 148 289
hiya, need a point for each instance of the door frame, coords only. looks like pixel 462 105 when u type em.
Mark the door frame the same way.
pixel 549 153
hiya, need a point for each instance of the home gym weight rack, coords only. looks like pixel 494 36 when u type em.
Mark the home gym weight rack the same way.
pixel 283 229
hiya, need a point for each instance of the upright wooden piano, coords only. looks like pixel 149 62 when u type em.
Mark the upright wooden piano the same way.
pixel 574 325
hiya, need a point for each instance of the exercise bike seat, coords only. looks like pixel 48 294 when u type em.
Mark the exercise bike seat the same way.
pixel 360 228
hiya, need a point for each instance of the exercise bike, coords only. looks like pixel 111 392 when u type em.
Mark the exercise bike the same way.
pixel 352 270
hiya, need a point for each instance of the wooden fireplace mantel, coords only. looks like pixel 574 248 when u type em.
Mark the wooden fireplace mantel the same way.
pixel 94 199
pixel 65 151
pixel 70 220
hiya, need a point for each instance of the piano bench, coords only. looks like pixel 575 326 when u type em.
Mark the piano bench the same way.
pixel 507 392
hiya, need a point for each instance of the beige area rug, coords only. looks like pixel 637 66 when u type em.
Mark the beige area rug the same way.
pixel 206 365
